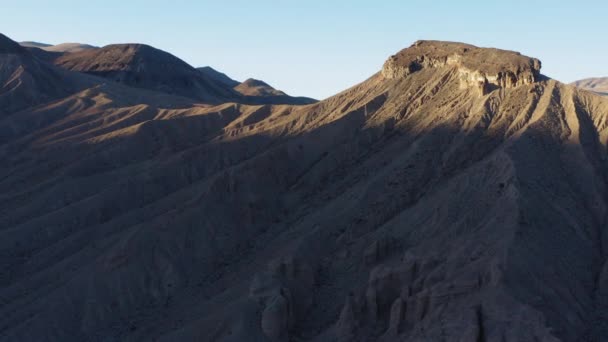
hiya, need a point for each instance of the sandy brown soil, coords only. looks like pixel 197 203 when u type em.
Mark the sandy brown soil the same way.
pixel 406 208
pixel 597 84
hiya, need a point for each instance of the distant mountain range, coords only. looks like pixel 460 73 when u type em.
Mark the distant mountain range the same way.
pixel 596 84
pixel 65 47
pixel 143 66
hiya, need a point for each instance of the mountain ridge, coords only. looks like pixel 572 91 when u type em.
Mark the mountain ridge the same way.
pixel 34 44
pixel 595 84
pixel 412 206
pixel 143 66
pixel 219 76
pixel 61 48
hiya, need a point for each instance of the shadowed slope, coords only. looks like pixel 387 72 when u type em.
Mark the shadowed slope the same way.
pixel 26 81
pixel 410 207
pixel 218 76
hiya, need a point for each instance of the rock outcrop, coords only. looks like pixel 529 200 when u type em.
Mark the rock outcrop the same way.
pixel 483 68
pixel 284 293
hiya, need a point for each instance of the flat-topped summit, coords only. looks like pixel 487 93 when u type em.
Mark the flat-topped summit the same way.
pixel 477 66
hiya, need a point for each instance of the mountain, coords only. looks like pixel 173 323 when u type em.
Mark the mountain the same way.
pixel 218 76
pixel 7 46
pixel 69 47
pixel 143 66
pixel 255 91
pixel 34 44
pixel 250 87
pixel 598 84
pixel 47 56
pixel 261 92
pixel 26 81
pixel 64 47
pixel 456 195
pixel 253 87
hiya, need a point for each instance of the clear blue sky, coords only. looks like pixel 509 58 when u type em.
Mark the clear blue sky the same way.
pixel 319 47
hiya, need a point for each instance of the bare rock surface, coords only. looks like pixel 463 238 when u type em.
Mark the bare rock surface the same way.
pixel 480 67
pixel 406 208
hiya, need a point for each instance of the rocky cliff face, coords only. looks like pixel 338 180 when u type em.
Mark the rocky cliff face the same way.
pixel 482 68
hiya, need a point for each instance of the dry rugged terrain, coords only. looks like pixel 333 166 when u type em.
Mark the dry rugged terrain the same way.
pixel 597 84
pixel 456 195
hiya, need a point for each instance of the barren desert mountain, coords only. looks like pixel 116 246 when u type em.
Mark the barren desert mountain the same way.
pixel 218 76
pixel 7 46
pixel 146 67
pixel 59 48
pixel 453 196
pixel 27 81
pixel 596 84
pixel 253 87
pixel 481 67
pixel 257 91
pixel 30 44
pixel 69 47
